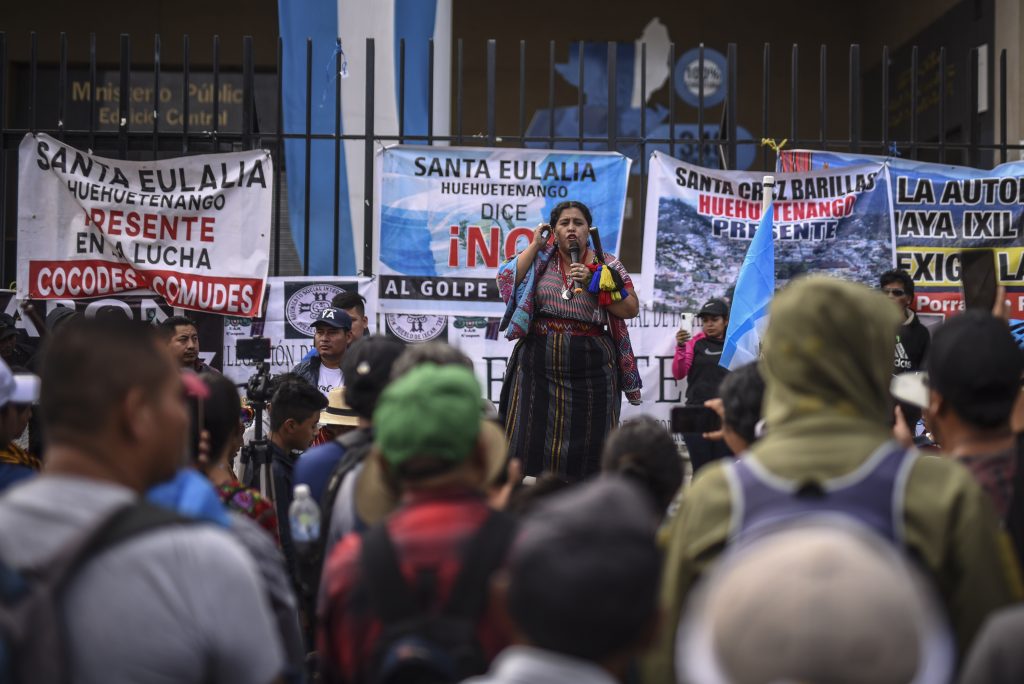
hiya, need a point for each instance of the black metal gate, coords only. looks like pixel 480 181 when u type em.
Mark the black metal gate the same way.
pixel 37 97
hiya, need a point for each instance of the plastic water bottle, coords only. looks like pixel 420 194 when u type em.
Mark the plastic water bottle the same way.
pixel 304 520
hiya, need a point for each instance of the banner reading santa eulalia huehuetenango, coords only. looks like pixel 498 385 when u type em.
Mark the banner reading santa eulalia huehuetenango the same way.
pixel 448 216
pixel 700 222
pixel 194 230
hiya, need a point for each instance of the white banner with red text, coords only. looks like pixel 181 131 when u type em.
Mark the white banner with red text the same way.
pixel 194 230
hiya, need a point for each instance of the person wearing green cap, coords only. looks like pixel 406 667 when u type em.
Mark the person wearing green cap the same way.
pixel 430 446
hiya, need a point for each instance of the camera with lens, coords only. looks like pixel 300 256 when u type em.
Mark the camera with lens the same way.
pixel 256 454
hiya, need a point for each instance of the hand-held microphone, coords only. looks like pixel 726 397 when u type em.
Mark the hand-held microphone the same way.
pixel 574 257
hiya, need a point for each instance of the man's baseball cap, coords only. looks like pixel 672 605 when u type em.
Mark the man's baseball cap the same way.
pixel 366 367
pixel 714 307
pixel 431 411
pixel 336 318
pixel 17 388
pixel 973 361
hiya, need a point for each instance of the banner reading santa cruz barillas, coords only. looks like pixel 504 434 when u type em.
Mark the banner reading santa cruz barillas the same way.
pixel 699 224
pixel 448 216
pixel 940 210
pixel 194 230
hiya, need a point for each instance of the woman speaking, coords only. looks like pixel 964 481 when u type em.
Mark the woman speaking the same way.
pixel 566 304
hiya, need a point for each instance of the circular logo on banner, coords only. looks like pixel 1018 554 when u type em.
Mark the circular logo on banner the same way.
pixel 687 77
pixel 305 305
pixel 416 327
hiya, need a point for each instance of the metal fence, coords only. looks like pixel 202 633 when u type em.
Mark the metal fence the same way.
pixel 25 87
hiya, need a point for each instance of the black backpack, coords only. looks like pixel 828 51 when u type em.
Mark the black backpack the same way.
pixel 430 647
pixel 32 628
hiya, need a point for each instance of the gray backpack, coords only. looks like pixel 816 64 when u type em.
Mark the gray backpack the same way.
pixel 33 635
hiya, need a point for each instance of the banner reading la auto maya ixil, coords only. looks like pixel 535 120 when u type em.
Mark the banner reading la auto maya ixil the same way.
pixel 194 230
pixel 448 216
pixel 939 211
pixel 699 223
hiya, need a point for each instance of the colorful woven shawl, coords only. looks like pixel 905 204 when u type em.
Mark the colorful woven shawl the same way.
pixel 520 310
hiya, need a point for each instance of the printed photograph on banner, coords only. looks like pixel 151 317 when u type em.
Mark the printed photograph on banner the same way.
pixel 417 328
pixel 304 301
pixel 700 223
pixel 447 217
pixel 939 211
pixel 193 230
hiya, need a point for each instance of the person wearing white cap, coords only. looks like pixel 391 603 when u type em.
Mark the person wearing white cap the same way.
pixel 18 391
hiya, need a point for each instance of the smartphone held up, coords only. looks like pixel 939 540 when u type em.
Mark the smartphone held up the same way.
pixel 695 419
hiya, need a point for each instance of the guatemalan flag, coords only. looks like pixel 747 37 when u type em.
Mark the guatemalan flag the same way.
pixel 748 317
pixel 342 26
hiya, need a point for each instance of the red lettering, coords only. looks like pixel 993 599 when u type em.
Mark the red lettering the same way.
pixel 513 237
pixel 206 230
pixel 453 247
pixel 475 241
pixel 113 225
pixel 131 224
pixel 188 221
pixel 149 227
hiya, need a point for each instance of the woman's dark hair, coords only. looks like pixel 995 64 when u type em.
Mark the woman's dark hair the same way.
pixel 221 411
pixel 556 213
pixel 644 451
pixel 742 392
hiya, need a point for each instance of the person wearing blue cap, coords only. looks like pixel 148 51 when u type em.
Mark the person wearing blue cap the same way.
pixel 333 334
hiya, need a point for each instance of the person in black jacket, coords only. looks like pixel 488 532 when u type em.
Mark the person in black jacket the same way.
pixel 696 359
pixel 913 337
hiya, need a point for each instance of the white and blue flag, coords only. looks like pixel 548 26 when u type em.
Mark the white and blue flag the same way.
pixel 748 317
pixel 343 26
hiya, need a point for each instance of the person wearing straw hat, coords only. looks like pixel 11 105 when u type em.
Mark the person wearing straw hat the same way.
pixel 335 420
pixel 367 366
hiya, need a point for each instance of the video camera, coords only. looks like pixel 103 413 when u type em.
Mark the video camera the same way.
pixel 256 455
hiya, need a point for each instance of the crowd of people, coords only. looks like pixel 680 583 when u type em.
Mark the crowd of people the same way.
pixel 858 517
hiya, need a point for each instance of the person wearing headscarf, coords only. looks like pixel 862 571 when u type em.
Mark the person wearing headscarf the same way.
pixel 827 363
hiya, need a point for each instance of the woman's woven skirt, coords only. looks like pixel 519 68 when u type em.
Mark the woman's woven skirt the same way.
pixel 559 400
